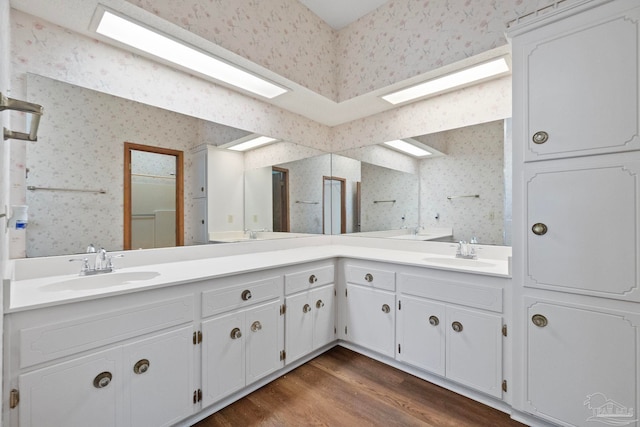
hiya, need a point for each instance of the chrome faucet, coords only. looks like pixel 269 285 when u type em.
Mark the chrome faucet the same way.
pixel 252 234
pixel 466 250
pixel 103 263
pixel 416 230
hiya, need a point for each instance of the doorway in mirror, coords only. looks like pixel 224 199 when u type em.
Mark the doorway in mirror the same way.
pixel 280 185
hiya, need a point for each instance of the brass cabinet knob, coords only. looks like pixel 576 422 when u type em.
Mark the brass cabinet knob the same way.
pixel 368 277
pixel 319 304
pixel 246 295
pixel 235 333
pixel 434 321
pixel 306 308
pixel 141 366
pixel 539 229
pixel 256 326
pixel 102 380
pixel 456 326
pixel 313 279
pixel 539 320
pixel 386 308
pixel 540 137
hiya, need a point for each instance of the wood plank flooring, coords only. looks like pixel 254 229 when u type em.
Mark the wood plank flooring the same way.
pixel 344 388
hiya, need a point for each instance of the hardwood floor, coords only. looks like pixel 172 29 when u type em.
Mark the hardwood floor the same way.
pixel 343 388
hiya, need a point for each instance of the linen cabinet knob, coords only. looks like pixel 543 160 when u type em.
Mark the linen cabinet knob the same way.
pixel 434 321
pixel 386 308
pixel 141 366
pixel 540 137
pixel 368 277
pixel 306 308
pixel 313 279
pixel 319 304
pixel 235 333
pixel 256 326
pixel 246 295
pixel 539 320
pixel 456 326
pixel 102 380
pixel 539 229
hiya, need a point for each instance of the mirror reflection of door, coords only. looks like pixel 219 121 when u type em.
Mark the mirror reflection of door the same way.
pixel 334 218
pixel 153 197
pixel 280 183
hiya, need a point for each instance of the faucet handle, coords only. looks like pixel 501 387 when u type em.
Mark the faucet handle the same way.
pixel 110 260
pixel 85 264
pixel 91 249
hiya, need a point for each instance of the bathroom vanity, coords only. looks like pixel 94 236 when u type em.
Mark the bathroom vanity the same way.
pixel 170 343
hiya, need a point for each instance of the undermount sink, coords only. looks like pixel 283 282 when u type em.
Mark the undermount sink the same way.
pixel 459 262
pixel 101 281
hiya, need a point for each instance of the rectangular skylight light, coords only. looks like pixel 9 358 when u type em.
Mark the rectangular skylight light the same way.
pixel 161 46
pixel 408 148
pixel 252 143
pixel 450 81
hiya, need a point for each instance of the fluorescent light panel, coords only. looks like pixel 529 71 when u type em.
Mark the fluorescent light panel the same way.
pixel 144 39
pixel 252 143
pixel 408 148
pixel 450 81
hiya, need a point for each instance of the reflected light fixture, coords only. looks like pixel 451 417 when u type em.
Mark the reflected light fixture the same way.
pixel 408 148
pixel 147 40
pixel 252 143
pixel 450 81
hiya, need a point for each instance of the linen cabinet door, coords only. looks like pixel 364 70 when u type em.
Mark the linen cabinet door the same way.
pixel 583 226
pixel 421 334
pixel 161 371
pixel 581 364
pixel 223 368
pixel 263 333
pixel 322 303
pixel 474 349
pixel 298 326
pixel 83 392
pixel 371 319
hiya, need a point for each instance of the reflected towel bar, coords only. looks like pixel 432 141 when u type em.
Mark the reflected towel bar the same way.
pixel 476 196
pixel 384 201
pixel 36 110
pixel 75 190
pixel 307 202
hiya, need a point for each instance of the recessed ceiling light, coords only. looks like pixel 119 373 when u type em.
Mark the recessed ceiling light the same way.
pixel 168 49
pixel 252 143
pixel 408 148
pixel 450 81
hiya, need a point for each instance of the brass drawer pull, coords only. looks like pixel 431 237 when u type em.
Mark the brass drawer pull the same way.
pixel 539 229
pixel 386 308
pixel 313 279
pixel 540 137
pixel 102 380
pixel 235 333
pixel 246 295
pixel 456 326
pixel 434 321
pixel 368 277
pixel 306 308
pixel 539 320
pixel 256 326
pixel 319 304
pixel 141 366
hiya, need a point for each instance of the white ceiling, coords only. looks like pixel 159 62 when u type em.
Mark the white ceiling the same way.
pixel 340 13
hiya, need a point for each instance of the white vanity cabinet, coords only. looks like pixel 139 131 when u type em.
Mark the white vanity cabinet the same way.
pixel 370 307
pixel 443 337
pixel 131 366
pixel 310 310
pixel 241 333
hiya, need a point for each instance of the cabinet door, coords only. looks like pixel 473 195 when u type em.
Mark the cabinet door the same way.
pixel 589 208
pixel 298 326
pixel 474 349
pixel 263 331
pixel 199 213
pixel 200 174
pixel 223 368
pixel 65 394
pixel 581 82
pixel 421 334
pixel 371 319
pixel 581 363
pixel 161 371
pixel 322 303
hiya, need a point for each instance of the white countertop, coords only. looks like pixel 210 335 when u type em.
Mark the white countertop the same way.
pixel 47 291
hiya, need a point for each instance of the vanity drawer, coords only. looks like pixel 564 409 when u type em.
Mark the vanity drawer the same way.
pixel 54 340
pixel 457 292
pixel 303 280
pixel 240 295
pixel 377 278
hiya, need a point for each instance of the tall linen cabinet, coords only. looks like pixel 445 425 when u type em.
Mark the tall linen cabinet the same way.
pixel 576 124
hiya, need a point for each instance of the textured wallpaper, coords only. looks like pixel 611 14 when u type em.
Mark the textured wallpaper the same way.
pixel 473 165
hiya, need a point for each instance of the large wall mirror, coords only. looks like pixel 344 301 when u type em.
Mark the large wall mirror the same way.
pixel 462 191
pixel 79 154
